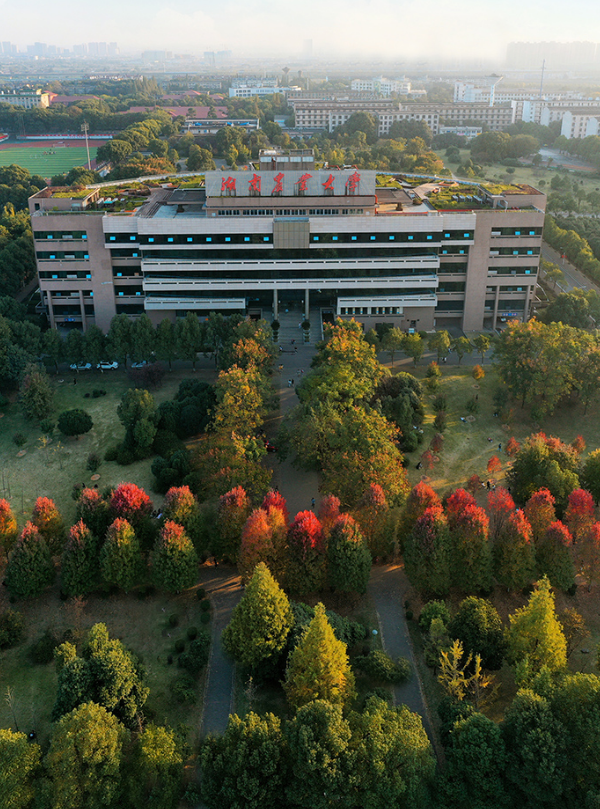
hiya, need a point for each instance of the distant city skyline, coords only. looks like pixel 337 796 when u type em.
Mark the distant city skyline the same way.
pixel 390 29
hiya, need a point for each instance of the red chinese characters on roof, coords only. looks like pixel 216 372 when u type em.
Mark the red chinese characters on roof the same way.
pixel 254 184
pixel 278 188
pixel 228 184
pixel 328 184
pixel 302 182
pixel 352 182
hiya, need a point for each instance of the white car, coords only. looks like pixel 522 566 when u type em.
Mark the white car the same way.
pixel 105 365
pixel 83 366
pixel 141 364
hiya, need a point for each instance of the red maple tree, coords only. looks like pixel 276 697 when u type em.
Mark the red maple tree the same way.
pixel 512 447
pixel 329 511
pixel 421 497
pixel 8 527
pixel 474 484
pixel 494 465
pixel 273 499
pixel 306 533
pixel 540 512
pixel 47 518
pixel 500 507
pixel 456 503
pixel 130 502
pixel 578 444
pixel 179 504
pixel 580 513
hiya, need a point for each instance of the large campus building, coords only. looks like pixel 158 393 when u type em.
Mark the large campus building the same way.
pixel 290 236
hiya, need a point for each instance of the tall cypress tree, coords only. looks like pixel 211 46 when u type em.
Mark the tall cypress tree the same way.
pixel 79 567
pixel 29 570
pixel 121 558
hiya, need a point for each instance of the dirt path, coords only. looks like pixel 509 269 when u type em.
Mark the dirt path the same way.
pixel 223 587
pixel 387 587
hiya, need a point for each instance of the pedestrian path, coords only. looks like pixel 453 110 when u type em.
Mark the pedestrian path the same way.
pixel 388 586
pixel 223 587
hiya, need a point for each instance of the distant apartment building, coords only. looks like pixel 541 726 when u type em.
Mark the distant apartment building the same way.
pixel 210 126
pixel 28 101
pixel 242 88
pixel 327 114
pixel 291 235
pixel 384 87
pixel 580 123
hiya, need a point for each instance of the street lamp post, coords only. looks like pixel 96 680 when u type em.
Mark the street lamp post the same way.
pixel 85 128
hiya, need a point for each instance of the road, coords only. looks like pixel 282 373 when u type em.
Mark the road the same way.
pixel 573 277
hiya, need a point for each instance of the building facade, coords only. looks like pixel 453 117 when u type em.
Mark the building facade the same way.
pixel 290 237
pixel 382 86
pixel 28 101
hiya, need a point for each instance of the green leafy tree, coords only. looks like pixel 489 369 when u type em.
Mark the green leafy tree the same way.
pixel 393 341
pixel 470 553
pixel 461 346
pixel 36 394
pixel 348 557
pixel 85 759
pixel 320 758
pixel 166 345
pixel 478 627
pixel 232 512
pixel 29 570
pixel 79 562
pixel 73 346
pixel 440 343
pixel 93 344
pixel 394 763
pixel 318 667
pixel 19 762
pixel 119 338
pixel 535 743
pixel 52 346
pixel 245 766
pixel 106 674
pixel 590 474
pixel 535 637
pixel 188 336
pixel 482 343
pixel 475 764
pixel 121 558
pixel 414 347
pixel 75 422
pixel 143 338
pixel 260 624
pixel 173 562
pixel 553 556
pixel 156 770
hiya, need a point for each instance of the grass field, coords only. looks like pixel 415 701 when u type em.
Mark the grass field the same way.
pixel 53 471
pixel 35 158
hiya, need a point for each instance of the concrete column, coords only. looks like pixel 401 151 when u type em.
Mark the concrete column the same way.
pixel 306 303
pixel 496 296
pixel 82 308
pixel 50 309
pixel 527 303
pixel 275 305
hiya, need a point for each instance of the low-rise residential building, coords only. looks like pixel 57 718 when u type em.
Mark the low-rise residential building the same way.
pixel 28 101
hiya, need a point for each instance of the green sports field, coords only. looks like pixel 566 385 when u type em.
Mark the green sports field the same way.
pixel 37 160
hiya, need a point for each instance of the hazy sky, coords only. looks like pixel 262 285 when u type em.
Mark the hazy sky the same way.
pixel 390 28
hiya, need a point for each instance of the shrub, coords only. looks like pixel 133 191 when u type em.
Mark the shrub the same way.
pixel 472 405
pixel 185 689
pixel 200 593
pixel 192 633
pixel 41 651
pixel 197 654
pixel 97 393
pixel 111 453
pixel 380 666
pixel 47 426
pixel 173 620
pixel 12 629
pixel 205 617
pixel 431 610
pixel 93 462
pixel 166 443
pixel 179 646
pixel 19 439
pixel 75 422
pixel 409 442
pixel 205 605
pixel 125 456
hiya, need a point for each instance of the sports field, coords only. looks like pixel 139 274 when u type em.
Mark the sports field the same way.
pixel 47 158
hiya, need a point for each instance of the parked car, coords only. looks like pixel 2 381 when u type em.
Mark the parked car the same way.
pixel 83 366
pixel 105 365
pixel 141 364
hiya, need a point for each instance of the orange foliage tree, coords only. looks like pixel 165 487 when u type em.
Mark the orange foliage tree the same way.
pixel 540 512
pixel 580 513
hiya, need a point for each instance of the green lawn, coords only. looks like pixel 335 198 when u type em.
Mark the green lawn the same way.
pixel 52 472
pixel 36 160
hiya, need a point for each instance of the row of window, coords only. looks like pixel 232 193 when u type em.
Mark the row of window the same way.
pixel 358 293
pixel 274 274
pixel 61 255
pixel 512 270
pixel 259 238
pixel 221 238
pixel 370 310
pixel 63 274
pixel 517 232
pixel 272 254
pixel 290 212
pixel 515 251
pixel 76 235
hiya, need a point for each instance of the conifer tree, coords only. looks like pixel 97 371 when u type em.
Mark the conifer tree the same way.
pixel 180 505
pixel 8 527
pixel 263 540
pixel 319 667
pixel 232 513
pixel 348 557
pixel 121 557
pixel 306 563
pixel 421 497
pixel 470 551
pixel 373 516
pixel 79 564
pixel 29 570
pixel 260 623
pixel 535 636
pixel 173 561
pixel 156 770
pixel 93 510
